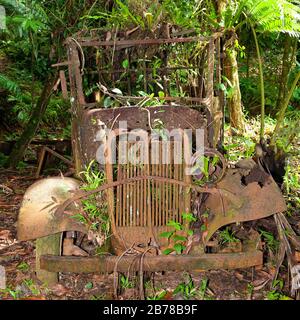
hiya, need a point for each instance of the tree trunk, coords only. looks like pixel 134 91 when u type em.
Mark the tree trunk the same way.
pixel 284 93
pixel 234 102
pixel 283 108
pixel 33 123
pixel 262 85
pixel 289 54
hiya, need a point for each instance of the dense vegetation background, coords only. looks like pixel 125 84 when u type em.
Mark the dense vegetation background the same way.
pixel 261 58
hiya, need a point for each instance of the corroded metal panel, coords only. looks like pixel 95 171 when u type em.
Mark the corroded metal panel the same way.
pixel 36 216
pixel 238 201
pixel 110 264
pixel 172 117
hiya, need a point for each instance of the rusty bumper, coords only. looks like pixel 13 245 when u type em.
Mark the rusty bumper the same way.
pixel 108 264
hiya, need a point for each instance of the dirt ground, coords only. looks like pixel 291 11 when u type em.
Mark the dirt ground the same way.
pixel 19 262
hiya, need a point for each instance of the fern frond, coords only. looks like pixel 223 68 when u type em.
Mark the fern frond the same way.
pixel 267 15
pixel 275 16
pixel 9 85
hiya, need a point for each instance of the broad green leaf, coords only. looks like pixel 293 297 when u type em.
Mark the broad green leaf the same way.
pixel 166 234
pixel 179 238
pixel 189 217
pixel 174 224
pixel 167 251
pixel 107 102
pixel 221 86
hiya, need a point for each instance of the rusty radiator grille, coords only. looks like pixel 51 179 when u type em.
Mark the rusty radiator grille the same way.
pixel 146 203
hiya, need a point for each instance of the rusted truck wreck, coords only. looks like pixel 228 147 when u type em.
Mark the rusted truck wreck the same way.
pixel 142 197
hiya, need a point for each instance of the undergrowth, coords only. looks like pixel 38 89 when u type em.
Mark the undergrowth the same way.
pixel 93 212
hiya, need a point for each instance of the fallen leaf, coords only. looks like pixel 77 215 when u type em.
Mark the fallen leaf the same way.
pixel 272 271
pixel 204 235
pixel 59 290
pixel 297 256
pixel 239 275
pixel 69 249
pixel 168 296
pixel 264 274
pixel 98 278
pixel 259 284
pixel 4 234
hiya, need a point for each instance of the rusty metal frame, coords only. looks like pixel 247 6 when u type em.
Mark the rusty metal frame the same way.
pixel 137 42
pixel 75 72
pixel 109 264
pixel 77 98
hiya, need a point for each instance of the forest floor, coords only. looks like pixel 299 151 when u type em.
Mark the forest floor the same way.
pixel 18 259
pixel 19 262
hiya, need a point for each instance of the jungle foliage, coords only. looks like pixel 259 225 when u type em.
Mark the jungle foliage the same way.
pixel 261 37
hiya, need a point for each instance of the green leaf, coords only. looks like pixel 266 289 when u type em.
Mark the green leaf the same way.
pixel 215 160
pixel 190 232
pixel 125 64
pixel 230 93
pixel 283 297
pixel 189 217
pixel 107 102
pixel 23 266
pixel 205 167
pixel 89 285
pixel 174 224
pixel 161 94
pixel 159 85
pixel 179 248
pixel 205 214
pixel 179 288
pixel 166 234
pixel 167 251
pixel 221 86
pixel 203 227
pixel 179 238
pixel 139 79
pixel 142 93
pixel 161 295
pixel 79 217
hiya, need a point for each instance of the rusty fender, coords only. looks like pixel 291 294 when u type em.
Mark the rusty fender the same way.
pixel 36 216
pixel 256 196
